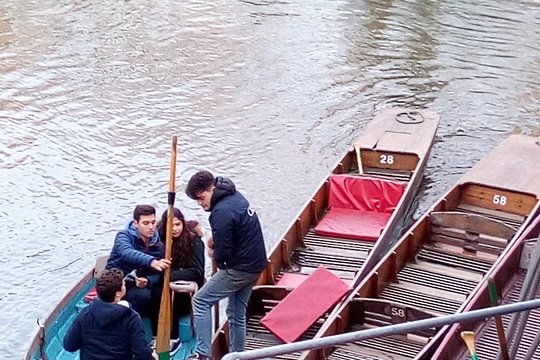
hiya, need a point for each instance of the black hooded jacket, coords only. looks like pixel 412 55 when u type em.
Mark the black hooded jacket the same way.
pixel 108 331
pixel 238 238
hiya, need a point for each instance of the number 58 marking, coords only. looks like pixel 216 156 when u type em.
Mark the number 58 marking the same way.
pixel 499 200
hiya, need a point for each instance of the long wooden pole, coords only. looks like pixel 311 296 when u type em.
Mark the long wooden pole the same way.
pixel 494 299
pixel 358 159
pixel 469 338
pixel 165 313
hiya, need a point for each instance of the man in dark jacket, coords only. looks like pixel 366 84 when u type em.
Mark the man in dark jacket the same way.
pixel 138 250
pixel 107 330
pixel 239 252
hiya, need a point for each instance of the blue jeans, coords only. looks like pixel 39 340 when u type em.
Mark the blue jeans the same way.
pixel 234 284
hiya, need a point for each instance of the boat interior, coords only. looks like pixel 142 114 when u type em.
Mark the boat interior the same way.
pixel 430 271
pixel 506 283
pixel 320 237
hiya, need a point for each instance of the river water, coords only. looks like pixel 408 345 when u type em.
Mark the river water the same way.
pixel 269 93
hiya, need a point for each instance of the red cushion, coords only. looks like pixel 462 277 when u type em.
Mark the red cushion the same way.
pixel 293 280
pixel 352 224
pixel 359 207
pixel 305 305
pixel 90 295
pixel 364 193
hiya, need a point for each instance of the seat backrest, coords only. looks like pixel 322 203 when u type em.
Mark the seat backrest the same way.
pixel 364 193
pixel 100 264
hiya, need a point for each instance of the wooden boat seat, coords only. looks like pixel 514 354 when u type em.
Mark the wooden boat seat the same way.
pixel 303 306
pixel 99 266
pixel 359 207
pixel 381 312
pixel 472 232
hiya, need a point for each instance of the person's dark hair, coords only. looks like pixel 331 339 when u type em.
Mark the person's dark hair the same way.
pixel 182 246
pixel 199 182
pixel 109 283
pixel 143 210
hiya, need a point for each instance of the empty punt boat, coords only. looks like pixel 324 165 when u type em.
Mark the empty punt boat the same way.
pixel 508 277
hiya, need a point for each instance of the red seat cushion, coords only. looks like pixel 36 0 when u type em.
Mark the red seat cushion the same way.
pixel 352 224
pixel 359 207
pixel 90 295
pixel 305 305
pixel 293 280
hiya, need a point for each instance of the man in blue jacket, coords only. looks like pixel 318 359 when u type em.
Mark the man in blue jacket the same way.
pixel 239 252
pixel 107 330
pixel 138 250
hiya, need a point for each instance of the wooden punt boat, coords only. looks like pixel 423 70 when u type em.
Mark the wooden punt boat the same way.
pixel 46 343
pixel 508 277
pixel 392 154
pixel 438 263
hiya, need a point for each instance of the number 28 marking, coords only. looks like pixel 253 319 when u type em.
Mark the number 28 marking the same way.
pixel 386 159
pixel 499 200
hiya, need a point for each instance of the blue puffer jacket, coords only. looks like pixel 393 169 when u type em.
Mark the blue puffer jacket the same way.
pixel 238 238
pixel 108 331
pixel 130 253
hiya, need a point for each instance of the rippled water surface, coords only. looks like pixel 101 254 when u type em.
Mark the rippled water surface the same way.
pixel 269 93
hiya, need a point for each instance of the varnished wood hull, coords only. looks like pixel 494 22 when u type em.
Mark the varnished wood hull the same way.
pixel 508 277
pixel 435 267
pixel 301 250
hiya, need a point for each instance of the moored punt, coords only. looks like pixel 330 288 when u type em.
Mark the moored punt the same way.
pixel 442 259
pixel 508 277
pixel 345 227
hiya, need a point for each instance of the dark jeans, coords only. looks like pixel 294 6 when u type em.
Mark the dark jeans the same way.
pixel 146 302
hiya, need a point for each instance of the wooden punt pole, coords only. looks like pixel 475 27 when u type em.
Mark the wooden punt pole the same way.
pixel 494 299
pixel 165 313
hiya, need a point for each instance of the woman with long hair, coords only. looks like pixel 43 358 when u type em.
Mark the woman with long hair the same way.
pixel 187 261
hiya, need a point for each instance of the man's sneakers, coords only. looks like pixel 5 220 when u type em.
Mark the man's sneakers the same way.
pixel 197 356
pixel 175 346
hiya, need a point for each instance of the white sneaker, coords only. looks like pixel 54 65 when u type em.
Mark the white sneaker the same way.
pixel 175 346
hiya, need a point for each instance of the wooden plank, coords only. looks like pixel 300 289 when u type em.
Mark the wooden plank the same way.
pixel 511 165
pixel 418 139
pixel 496 199
pixel 389 160
pixel 472 246
pixel 461 236
pixel 445 270
pixel 472 224
pixel 507 218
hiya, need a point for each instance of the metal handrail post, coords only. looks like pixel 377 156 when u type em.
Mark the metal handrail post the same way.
pixel 382 331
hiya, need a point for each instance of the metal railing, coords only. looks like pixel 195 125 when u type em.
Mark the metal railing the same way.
pixel 382 331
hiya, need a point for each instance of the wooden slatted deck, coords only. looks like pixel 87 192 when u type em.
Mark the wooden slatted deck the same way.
pixel 487 341
pixel 438 282
pixel 343 256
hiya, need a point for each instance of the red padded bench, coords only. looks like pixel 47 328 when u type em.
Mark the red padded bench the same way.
pixel 359 207
pixel 293 280
pixel 300 309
